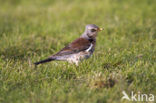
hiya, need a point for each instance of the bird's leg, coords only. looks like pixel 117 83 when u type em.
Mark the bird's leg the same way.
pixel 73 61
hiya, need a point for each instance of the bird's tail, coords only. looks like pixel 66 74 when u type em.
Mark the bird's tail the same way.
pixel 44 61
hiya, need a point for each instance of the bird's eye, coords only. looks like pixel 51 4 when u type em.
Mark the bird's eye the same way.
pixel 93 30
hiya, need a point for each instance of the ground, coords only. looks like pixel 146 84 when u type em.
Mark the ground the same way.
pixel 124 58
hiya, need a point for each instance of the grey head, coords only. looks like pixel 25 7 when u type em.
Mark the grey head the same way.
pixel 91 31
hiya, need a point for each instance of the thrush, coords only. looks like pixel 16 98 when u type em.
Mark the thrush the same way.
pixel 78 50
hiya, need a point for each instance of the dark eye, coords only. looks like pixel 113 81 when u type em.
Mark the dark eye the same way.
pixel 93 30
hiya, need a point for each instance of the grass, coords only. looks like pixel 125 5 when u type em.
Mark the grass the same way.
pixel 124 59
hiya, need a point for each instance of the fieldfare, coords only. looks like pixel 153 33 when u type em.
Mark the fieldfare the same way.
pixel 79 49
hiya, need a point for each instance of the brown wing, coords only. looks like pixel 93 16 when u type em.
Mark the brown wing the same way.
pixel 76 46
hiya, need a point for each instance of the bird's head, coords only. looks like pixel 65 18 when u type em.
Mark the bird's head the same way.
pixel 91 30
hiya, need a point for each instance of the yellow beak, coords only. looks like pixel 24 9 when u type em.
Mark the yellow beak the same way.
pixel 100 29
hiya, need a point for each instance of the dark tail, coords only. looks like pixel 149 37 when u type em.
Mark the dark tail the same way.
pixel 44 61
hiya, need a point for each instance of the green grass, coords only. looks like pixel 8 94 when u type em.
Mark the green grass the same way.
pixel 124 59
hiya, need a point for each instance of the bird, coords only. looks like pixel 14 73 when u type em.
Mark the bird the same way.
pixel 78 50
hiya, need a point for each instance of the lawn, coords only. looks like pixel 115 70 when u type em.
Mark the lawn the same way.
pixel 124 58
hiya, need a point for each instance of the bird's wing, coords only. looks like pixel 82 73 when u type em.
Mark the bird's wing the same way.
pixel 76 46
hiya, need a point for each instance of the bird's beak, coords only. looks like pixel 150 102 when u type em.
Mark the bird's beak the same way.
pixel 100 29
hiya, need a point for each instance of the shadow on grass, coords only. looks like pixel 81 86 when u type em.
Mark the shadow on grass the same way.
pixel 112 65
pixel 16 52
pixel 109 83
pixel 26 49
